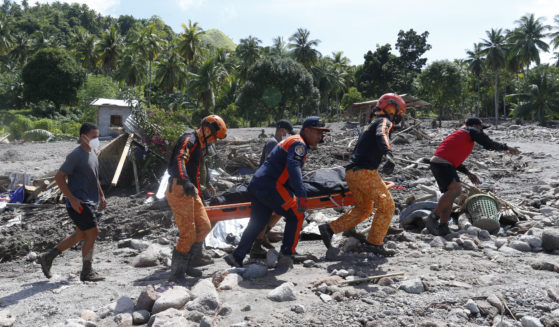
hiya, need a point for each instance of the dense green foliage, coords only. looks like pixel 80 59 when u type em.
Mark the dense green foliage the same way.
pixel 190 73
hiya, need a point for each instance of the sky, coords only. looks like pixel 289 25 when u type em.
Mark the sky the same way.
pixel 351 26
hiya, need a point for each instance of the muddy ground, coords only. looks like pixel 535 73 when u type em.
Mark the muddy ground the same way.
pixel 450 275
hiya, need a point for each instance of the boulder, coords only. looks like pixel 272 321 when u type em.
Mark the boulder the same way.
pixel 167 318
pixel 124 305
pixel 140 317
pixel 282 293
pixel 230 282
pixel 414 286
pixel 254 271
pixel 550 240
pixel 520 246
pixel 146 299
pixel 528 321
pixel 175 297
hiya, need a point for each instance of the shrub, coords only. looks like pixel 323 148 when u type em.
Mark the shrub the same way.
pixel 20 125
pixel 46 124
pixel 71 128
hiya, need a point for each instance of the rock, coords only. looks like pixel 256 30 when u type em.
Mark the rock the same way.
pixel 175 297
pixel 495 301
pixel 308 263
pixel 140 317
pixel 437 242
pixel 484 235
pixel 544 265
pixel 298 308
pixel 534 241
pixel 230 282
pixel 311 229
pixel 499 242
pixel 7 319
pixel 124 305
pixel 205 286
pixel 487 309
pixel 74 323
pixel 342 273
pixel 254 271
pixel 146 299
pixel 469 245
pixel 206 321
pixel 325 298
pixel 195 316
pixel 414 286
pixel 148 258
pixel 31 256
pixel 528 321
pixel 429 323
pixel 553 293
pixel 138 244
pixel 449 246
pixel 509 250
pixel 124 319
pixel 550 321
pixel 225 311
pixel 282 293
pixel 473 230
pixel 520 246
pixel 285 263
pixel 272 258
pixel 246 308
pixel 352 244
pixel 207 303
pixel 87 315
pixel 338 296
pixel 550 240
pixel 472 306
pixel 332 254
pixel 168 318
pixel 385 281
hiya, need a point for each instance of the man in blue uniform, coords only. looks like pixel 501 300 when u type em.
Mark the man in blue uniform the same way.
pixel 277 186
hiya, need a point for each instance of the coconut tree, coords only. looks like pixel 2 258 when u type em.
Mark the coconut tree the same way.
pixel 131 68
pixel 494 49
pixel 248 52
pixel 20 48
pixel 279 47
pixel 476 62
pixel 190 43
pixel 303 48
pixel 149 44
pixel 206 80
pixel 84 48
pixel 171 71
pixel 527 40
pixel 542 95
pixel 109 49
pixel 5 36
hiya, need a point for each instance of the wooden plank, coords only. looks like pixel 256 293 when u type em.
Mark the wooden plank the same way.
pixel 122 159
pixel 4 137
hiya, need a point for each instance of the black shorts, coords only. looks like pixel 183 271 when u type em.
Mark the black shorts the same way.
pixel 87 219
pixel 444 174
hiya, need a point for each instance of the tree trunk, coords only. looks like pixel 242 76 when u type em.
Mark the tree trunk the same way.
pixel 478 107
pixel 496 97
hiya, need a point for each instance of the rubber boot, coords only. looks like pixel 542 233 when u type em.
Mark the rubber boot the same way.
pixel 443 229
pixel 189 268
pixel 178 268
pixel 379 250
pixel 256 251
pixel 199 258
pixel 88 274
pixel 432 224
pixel 46 258
pixel 326 233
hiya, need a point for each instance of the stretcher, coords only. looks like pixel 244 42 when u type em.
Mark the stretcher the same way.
pixel 242 210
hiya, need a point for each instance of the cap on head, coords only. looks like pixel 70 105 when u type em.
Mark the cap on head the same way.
pixel 285 124
pixel 392 99
pixel 216 125
pixel 315 122
pixel 476 121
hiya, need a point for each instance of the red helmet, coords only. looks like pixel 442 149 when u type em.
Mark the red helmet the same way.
pixel 392 98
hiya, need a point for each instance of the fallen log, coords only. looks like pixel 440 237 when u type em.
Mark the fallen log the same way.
pixel 371 278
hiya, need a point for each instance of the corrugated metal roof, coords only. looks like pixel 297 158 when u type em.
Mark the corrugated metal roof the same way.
pixel 113 102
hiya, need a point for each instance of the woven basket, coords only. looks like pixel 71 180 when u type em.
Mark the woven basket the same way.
pixel 484 211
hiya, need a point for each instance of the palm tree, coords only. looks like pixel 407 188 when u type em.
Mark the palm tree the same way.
pixel 339 59
pixel 206 80
pixel 475 64
pixel 109 49
pixel 190 42
pixel 149 44
pixel 303 48
pixel 20 48
pixel 526 40
pixel 5 36
pixel 494 49
pixel 542 96
pixel 555 35
pixel 279 47
pixel 248 52
pixel 84 48
pixel 171 71
pixel 131 68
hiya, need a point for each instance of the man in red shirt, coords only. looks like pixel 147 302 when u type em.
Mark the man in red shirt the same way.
pixel 448 159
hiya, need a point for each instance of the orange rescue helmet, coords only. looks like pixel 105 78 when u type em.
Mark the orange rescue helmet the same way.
pixel 216 125
pixel 392 98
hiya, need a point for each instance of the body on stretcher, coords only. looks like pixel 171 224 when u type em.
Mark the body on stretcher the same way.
pixel 242 210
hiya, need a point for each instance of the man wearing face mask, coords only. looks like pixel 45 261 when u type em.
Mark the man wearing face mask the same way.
pixel 284 129
pixel 448 159
pixel 277 186
pixel 183 195
pixel 83 193
pixel 364 181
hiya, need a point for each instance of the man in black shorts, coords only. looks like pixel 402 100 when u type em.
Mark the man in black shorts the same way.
pixel 83 193
pixel 448 159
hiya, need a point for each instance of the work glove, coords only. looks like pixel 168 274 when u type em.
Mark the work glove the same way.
pixel 388 167
pixel 474 179
pixel 302 204
pixel 189 189
pixel 513 150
